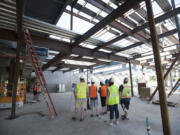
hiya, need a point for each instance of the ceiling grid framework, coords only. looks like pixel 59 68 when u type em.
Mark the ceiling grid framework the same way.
pixel 125 27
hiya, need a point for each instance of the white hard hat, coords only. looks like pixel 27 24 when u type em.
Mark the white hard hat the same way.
pixel 92 81
pixel 82 77
pixel 102 82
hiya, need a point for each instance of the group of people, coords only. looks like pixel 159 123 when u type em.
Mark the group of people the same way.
pixel 111 97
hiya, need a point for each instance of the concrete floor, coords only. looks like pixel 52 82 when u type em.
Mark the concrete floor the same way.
pixel 30 123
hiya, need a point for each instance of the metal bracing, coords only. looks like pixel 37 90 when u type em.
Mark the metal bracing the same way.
pixel 174 88
pixel 176 19
pixel 63 47
pixel 159 19
pixel 139 28
pixel 105 21
pixel 166 74
pixel 141 36
pixel 9 16
pixel 131 78
pixel 62 10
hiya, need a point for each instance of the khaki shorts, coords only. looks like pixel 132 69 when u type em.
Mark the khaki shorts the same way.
pixel 81 103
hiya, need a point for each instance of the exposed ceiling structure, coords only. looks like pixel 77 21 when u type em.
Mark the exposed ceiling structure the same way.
pixel 116 31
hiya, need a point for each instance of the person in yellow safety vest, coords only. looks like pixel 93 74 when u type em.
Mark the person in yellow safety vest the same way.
pixel 113 101
pixel 125 97
pixel 81 93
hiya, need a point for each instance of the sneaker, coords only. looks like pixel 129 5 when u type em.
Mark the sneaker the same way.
pixel 117 122
pixel 92 115
pixel 74 118
pixel 123 117
pixel 110 124
pixel 127 118
pixel 81 119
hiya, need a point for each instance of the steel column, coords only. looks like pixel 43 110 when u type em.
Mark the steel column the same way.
pixel 159 72
pixel 171 80
pixel 20 9
pixel 87 76
pixel 131 79
pixel 10 77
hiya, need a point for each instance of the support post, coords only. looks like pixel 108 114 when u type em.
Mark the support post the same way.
pixel 159 72
pixel 143 74
pixel 20 4
pixel 130 75
pixel 87 76
pixel 10 78
pixel 171 80
pixel 71 27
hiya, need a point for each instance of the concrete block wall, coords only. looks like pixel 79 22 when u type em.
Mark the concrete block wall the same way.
pixel 54 79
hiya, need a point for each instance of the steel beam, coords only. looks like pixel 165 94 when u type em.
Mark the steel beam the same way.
pixel 20 4
pixel 107 20
pixel 87 60
pixel 90 13
pixel 171 32
pixel 159 72
pixel 108 9
pixel 61 11
pixel 110 42
pixel 83 60
pixel 63 47
pixel 54 60
pixel 159 19
pixel 72 66
pixel 139 28
pixel 176 19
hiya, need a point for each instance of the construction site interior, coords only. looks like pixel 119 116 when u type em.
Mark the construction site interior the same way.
pixel 49 45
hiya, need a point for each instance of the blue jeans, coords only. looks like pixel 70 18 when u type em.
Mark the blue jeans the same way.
pixel 114 109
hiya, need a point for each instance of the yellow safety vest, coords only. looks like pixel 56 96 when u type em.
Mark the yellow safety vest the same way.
pixel 113 95
pixel 126 90
pixel 81 90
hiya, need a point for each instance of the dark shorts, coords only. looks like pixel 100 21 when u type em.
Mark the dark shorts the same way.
pixel 125 105
pixel 35 92
pixel 103 101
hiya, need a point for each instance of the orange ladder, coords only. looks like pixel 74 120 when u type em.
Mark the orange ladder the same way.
pixel 39 73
